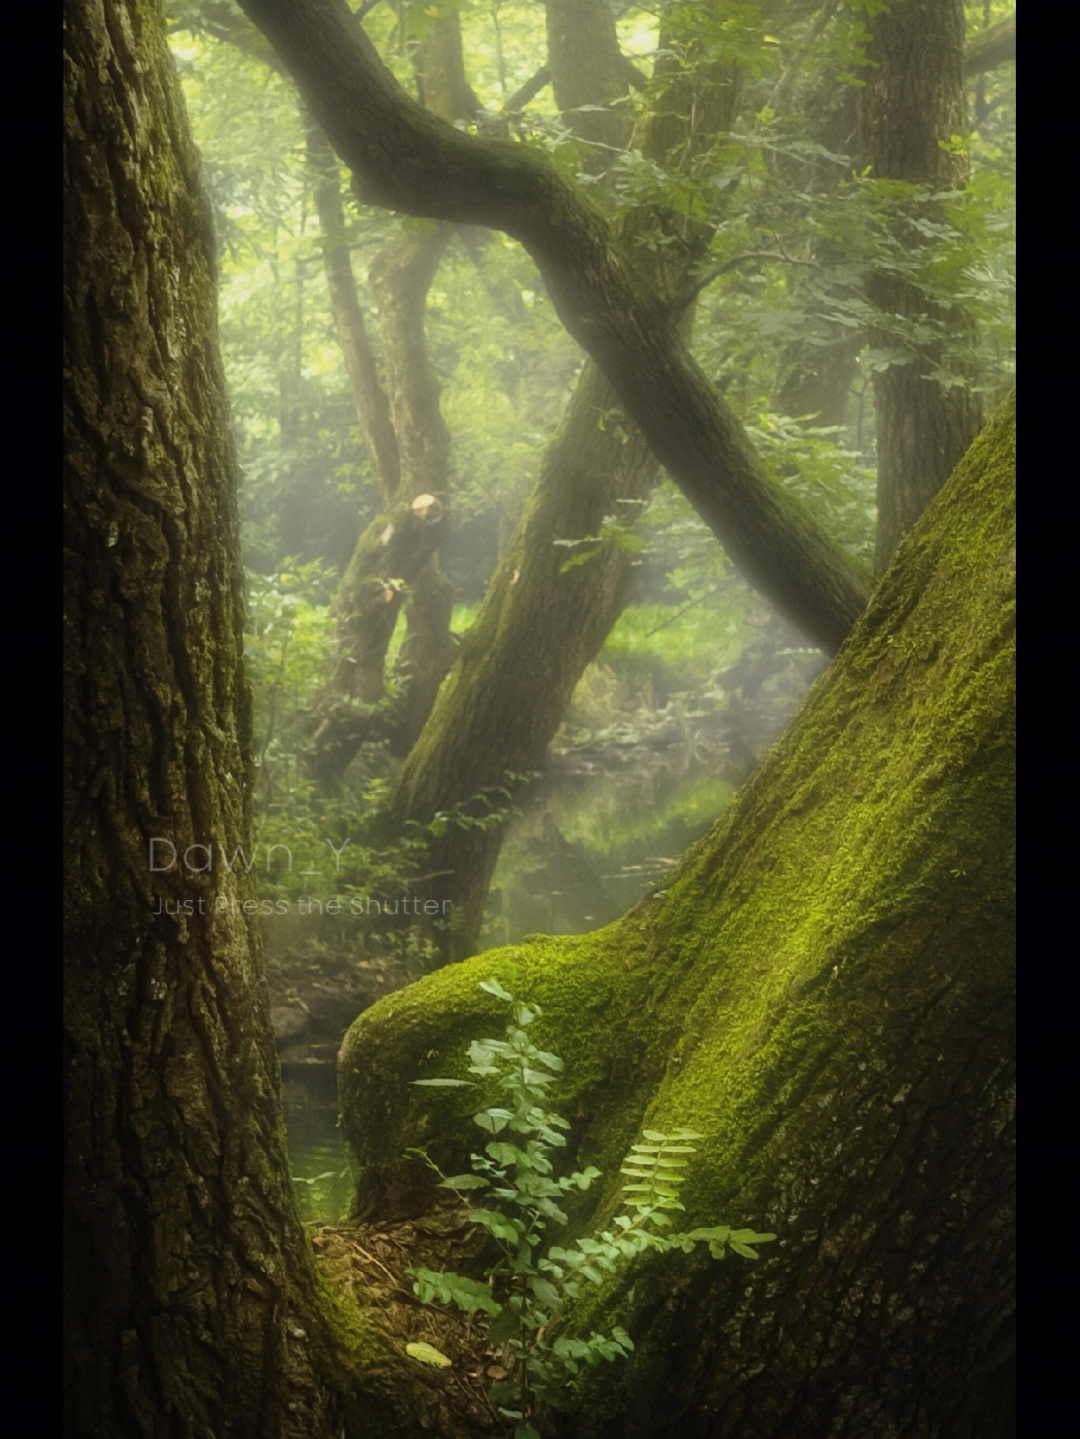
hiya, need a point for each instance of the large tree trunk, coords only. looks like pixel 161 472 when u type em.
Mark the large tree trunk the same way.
pixel 824 993
pixel 406 159
pixel 910 108
pixel 189 1299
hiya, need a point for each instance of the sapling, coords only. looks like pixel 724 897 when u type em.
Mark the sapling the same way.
pixel 515 1175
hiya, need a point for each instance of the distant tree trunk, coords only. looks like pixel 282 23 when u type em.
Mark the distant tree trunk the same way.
pixel 189 1296
pixel 824 993
pixel 911 106
pixel 588 78
pixel 410 446
pixel 558 588
pixel 816 378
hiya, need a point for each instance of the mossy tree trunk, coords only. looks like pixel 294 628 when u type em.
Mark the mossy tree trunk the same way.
pixel 824 993
pixel 407 159
pixel 189 1296
pixel 558 589
pixel 911 107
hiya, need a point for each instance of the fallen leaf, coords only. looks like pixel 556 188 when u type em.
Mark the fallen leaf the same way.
pixel 427 1354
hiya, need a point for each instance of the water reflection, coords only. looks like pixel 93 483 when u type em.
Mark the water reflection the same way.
pixel 319 1160
pixel 589 844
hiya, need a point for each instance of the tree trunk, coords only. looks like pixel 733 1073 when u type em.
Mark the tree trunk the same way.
pixel 406 159
pixel 369 397
pixel 189 1294
pixel 545 615
pixel 824 994
pixel 587 77
pixel 410 445
pixel 558 589
pixel 911 106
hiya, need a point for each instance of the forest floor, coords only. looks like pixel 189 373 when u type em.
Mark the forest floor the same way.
pixel 372 1262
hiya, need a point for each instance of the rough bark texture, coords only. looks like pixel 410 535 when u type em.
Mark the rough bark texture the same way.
pixel 406 159
pixel 910 107
pixel 190 1301
pixel 824 993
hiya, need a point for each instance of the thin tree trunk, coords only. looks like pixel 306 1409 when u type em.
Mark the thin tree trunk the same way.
pixel 396 557
pixel 910 107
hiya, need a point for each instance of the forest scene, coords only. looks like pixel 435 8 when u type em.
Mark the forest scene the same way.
pixel 539 719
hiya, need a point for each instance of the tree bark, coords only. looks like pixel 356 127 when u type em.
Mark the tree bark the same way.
pixel 911 105
pixel 406 159
pixel 190 1301
pixel 824 994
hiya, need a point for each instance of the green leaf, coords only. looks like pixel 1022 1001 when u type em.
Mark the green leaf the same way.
pixel 505 1325
pixel 427 1354
pixel 546 1292
pixel 492 986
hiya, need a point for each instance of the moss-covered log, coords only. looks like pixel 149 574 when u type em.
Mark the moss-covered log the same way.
pixel 824 992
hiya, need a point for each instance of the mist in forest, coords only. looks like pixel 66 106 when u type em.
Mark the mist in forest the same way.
pixel 522 465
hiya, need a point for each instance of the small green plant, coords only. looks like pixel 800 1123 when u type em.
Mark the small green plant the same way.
pixel 528 1285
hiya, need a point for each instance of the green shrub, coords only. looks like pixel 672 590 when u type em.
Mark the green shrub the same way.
pixel 515 1176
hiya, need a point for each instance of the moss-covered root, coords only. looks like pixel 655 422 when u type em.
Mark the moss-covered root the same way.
pixel 824 994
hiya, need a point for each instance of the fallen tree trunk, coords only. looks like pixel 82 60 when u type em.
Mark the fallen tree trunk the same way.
pixel 824 993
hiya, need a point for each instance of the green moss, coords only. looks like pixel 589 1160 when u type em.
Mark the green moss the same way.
pixel 423 1032
pixel 821 951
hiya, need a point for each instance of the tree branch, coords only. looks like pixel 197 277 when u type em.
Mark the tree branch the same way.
pixel 990 48
pixel 405 159
pixel 532 86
